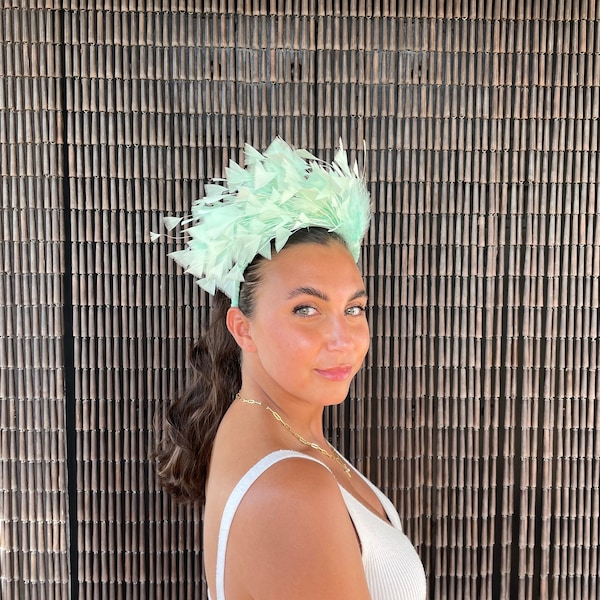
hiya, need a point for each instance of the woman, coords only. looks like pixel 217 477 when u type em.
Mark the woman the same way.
pixel 286 516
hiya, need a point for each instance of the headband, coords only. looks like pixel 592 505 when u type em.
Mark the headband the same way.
pixel 278 192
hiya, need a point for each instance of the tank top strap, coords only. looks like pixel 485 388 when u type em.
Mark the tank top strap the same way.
pixel 233 502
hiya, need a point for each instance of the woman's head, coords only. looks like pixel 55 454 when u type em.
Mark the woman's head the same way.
pixel 301 321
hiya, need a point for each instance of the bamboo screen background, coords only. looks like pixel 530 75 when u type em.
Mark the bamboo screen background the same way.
pixel 477 410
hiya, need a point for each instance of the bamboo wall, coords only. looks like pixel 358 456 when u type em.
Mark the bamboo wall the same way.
pixel 478 408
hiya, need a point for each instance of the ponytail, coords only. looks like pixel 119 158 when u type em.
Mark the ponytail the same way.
pixel 191 424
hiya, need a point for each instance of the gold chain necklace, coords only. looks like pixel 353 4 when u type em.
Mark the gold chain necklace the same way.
pixel 333 455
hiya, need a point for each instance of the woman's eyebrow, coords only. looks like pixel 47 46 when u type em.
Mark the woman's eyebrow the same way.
pixel 358 294
pixel 311 291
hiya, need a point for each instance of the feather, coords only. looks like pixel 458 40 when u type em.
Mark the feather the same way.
pixel 171 222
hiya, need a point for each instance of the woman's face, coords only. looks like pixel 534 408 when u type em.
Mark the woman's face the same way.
pixel 309 330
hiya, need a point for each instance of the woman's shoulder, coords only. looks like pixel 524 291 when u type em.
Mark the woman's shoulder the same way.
pixel 277 476
pixel 307 540
pixel 290 463
pixel 284 473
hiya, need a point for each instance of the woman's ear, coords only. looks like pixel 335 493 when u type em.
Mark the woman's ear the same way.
pixel 239 327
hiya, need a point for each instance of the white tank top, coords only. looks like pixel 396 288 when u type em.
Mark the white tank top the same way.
pixel 392 566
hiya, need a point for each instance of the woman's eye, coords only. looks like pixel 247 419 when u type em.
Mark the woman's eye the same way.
pixel 305 311
pixel 357 310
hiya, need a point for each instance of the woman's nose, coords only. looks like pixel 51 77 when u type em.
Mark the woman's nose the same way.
pixel 339 334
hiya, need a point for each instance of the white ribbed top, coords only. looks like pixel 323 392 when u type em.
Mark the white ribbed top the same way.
pixel 392 566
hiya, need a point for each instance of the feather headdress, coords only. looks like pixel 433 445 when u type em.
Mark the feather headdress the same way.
pixel 278 192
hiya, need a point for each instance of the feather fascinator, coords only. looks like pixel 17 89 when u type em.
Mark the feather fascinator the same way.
pixel 257 208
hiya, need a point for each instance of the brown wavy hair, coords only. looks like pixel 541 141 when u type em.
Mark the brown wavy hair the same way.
pixel 189 430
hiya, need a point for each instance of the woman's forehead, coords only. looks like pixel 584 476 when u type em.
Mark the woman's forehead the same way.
pixel 310 265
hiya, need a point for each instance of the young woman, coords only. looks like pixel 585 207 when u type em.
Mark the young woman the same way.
pixel 286 517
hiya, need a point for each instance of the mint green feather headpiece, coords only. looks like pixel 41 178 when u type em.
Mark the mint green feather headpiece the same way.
pixel 278 192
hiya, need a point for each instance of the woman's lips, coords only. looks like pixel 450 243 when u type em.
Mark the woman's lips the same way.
pixel 335 373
